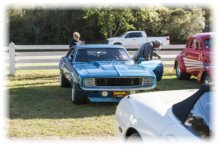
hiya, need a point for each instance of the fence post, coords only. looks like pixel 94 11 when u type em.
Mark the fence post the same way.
pixel 12 59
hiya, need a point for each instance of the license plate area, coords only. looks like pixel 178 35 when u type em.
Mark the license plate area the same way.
pixel 119 93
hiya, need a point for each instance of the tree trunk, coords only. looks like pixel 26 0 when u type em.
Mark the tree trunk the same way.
pixel 117 31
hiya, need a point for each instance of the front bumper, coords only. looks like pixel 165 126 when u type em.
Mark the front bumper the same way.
pixel 105 99
pixel 96 96
pixel 116 88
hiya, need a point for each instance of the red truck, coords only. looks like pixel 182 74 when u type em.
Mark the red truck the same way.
pixel 195 58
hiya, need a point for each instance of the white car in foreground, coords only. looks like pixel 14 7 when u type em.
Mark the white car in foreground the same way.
pixel 165 114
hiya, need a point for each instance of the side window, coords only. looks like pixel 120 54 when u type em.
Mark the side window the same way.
pixel 189 44
pixel 198 119
pixel 138 35
pixel 207 43
pixel 134 35
pixel 199 45
pixel 195 44
pixel 128 35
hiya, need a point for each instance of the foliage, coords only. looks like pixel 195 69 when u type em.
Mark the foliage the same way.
pixel 146 19
pixel 55 26
pixel 183 23
pixel 110 21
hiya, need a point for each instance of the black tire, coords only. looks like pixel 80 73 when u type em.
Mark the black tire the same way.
pixel 64 81
pixel 134 137
pixel 180 75
pixel 76 98
pixel 206 79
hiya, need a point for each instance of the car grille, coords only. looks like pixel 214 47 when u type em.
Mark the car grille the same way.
pixel 118 81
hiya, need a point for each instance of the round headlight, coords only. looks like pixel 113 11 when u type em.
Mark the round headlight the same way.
pixel 104 93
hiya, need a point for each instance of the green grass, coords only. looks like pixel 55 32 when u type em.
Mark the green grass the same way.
pixel 40 108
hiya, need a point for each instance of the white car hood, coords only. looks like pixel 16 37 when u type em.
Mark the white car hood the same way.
pixel 161 101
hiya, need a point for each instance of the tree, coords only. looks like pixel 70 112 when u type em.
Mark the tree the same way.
pixel 146 19
pixel 183 23
pixel 55 26
pixel 208 19
pixel 110 21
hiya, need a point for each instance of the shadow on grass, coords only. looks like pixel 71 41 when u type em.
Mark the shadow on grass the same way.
pixel 48 102
pixel 34 77
pixel 176 84
pixel 52 102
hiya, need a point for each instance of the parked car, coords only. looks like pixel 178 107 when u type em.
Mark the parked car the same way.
pixel 105 73
pixel 135 39
pixel 195 58
pixel 168 115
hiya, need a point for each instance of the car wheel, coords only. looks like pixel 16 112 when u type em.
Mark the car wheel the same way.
pixel 134 137
pixel 206 79
pixel 75 95
pixel 180 75
pixel 117 44
pixel 64 81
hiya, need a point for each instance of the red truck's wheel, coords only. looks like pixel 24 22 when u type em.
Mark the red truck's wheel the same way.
pixel 180 75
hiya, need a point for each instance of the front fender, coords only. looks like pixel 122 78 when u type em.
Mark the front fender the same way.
pixel 75 77
pixel 202 73
pixel 179 60
pixel 156 66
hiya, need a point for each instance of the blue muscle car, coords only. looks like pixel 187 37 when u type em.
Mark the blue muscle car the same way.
pixel 105 73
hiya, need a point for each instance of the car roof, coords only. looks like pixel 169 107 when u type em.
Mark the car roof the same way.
pixel 90 46
pixel 135 31
pixel 205 34
pixel 182 109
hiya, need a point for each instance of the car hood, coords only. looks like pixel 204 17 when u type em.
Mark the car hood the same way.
pixel 160 102
pixel 152 64
pixel 112 69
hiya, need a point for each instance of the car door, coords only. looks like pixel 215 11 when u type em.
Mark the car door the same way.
pixel 133 40
pixel 67 64
pixel 192 58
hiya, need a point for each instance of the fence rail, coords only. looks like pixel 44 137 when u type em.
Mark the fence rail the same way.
pixel 42 57
pixel 44 48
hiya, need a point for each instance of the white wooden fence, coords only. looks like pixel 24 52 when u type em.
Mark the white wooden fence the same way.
pixel 38 57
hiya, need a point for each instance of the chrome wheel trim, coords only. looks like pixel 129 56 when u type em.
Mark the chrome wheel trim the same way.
pixel 60 78
pixel 178 71
pixel 207 79
pixel 73 92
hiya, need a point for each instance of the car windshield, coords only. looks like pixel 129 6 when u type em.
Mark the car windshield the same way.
pixel 102 54
pixel 122 35
pixel 208 43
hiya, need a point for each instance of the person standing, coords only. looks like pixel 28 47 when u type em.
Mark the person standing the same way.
pixel 76 40
pixel 146 51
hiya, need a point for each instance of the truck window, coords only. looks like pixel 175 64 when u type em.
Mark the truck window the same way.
pixel 134 35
